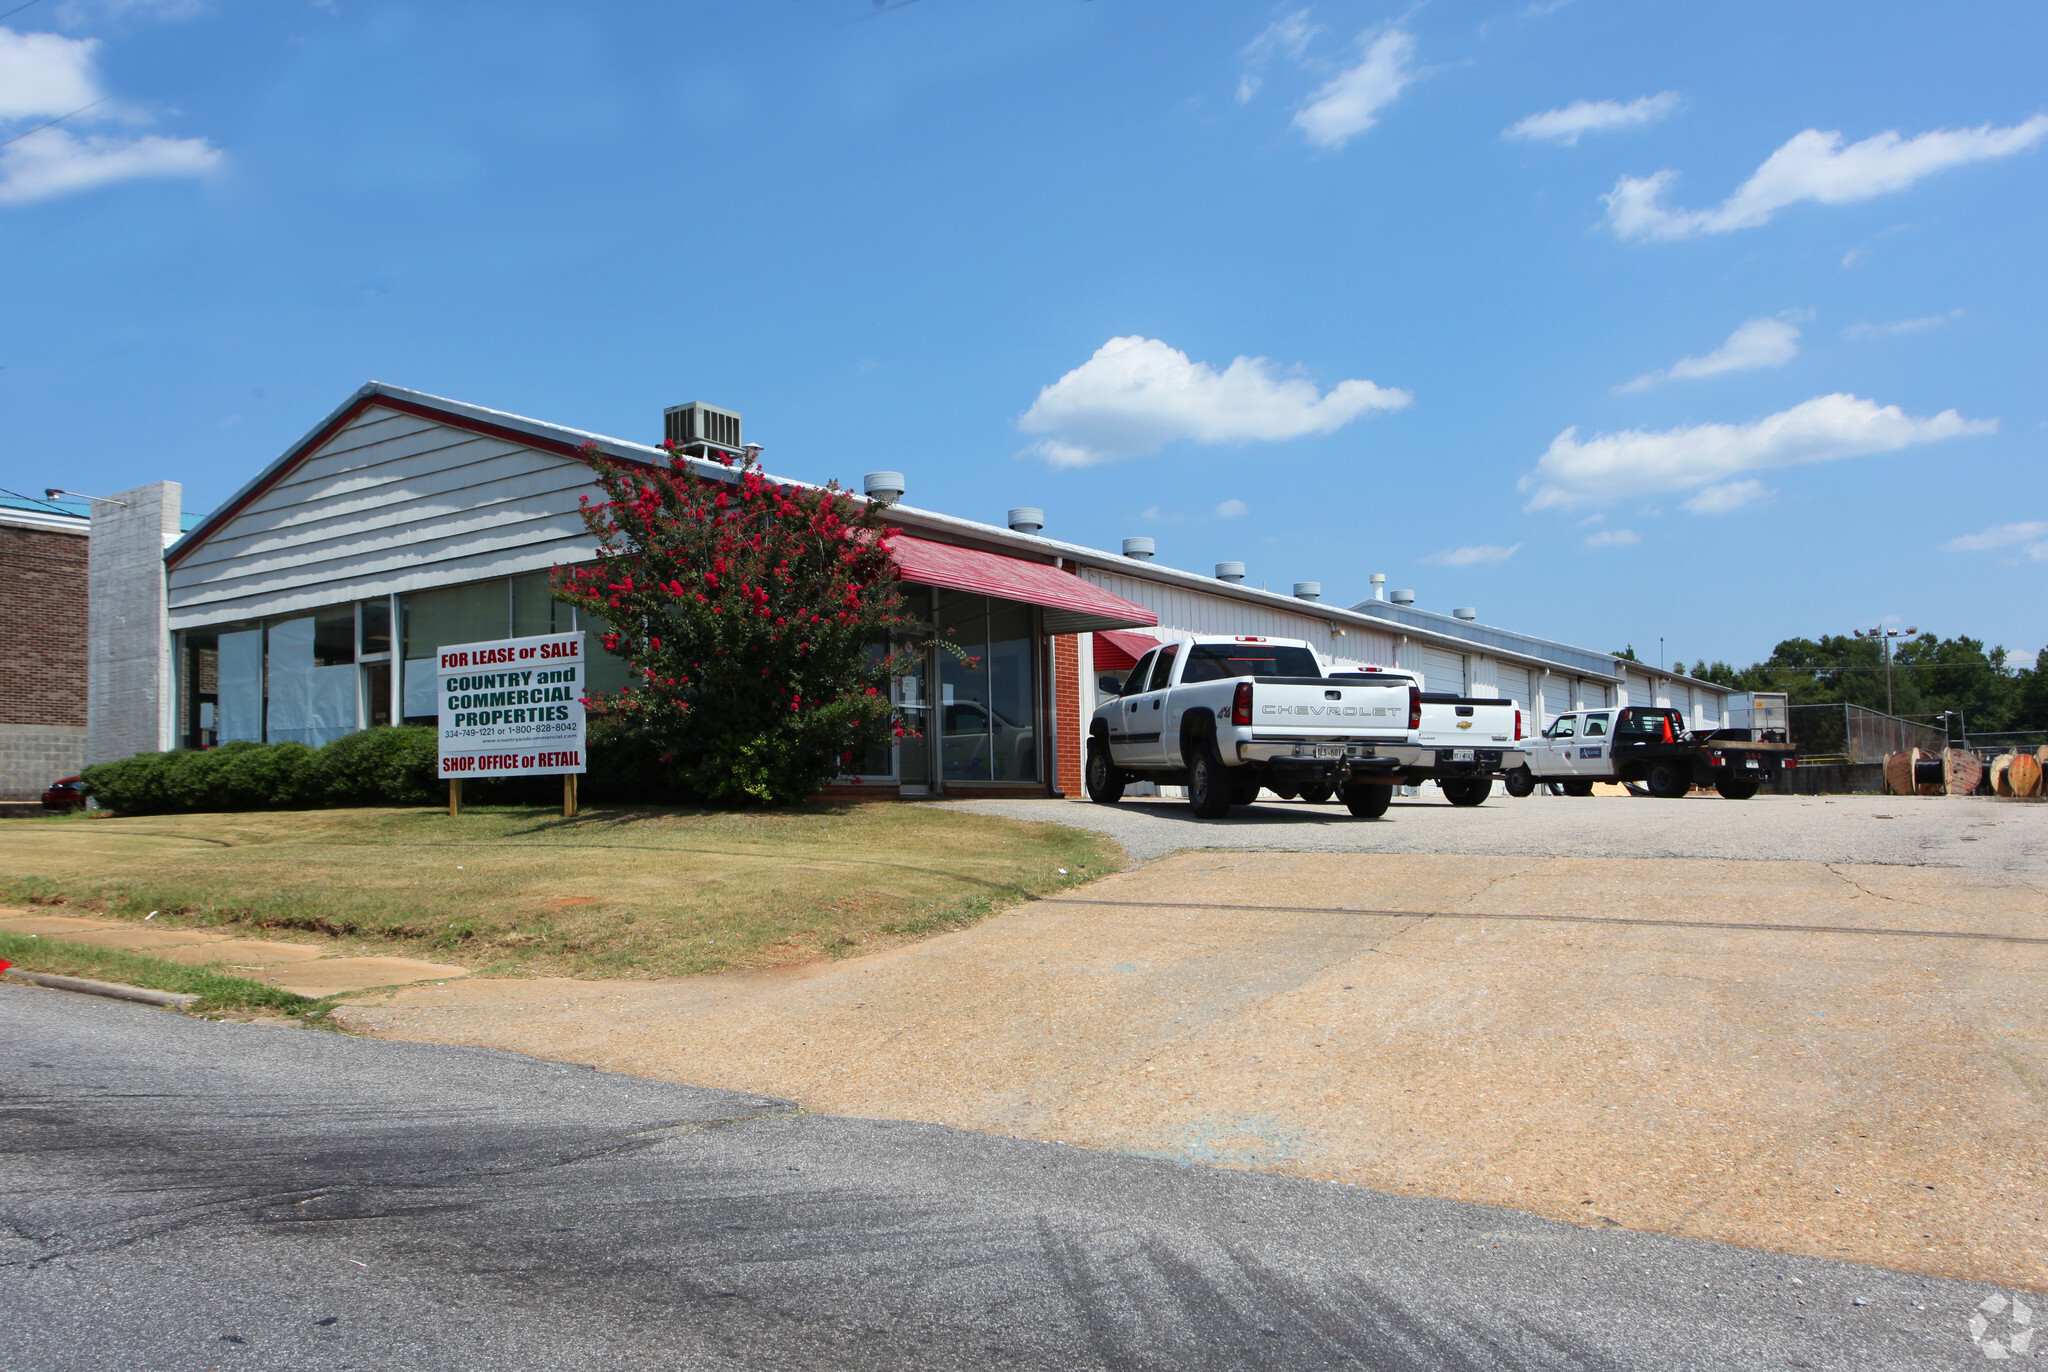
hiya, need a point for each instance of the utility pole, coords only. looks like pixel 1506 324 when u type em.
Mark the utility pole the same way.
pixel 1884 637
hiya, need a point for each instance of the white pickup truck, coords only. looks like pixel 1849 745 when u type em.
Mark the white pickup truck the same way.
pixel 1227 716
pixel 1466 742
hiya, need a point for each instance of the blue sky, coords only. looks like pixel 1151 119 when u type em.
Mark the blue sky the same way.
pixel 1720 323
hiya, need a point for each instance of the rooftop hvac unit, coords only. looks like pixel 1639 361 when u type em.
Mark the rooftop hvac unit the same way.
pixel 699 426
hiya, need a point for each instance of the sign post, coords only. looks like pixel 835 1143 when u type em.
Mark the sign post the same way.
pixel 512 707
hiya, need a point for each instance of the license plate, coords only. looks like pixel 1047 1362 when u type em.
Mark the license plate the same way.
pixel 1324 750
pixel 1461 754
pixel 1751 762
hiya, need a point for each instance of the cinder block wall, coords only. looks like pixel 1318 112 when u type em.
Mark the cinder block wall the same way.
pixel 128 691
pixel 42 658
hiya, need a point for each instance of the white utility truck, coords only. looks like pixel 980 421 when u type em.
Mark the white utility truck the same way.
pixel 1652 746
pixel 1465 741
pixel 1225 717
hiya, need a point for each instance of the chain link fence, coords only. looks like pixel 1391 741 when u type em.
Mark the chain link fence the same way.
pixel 1851 733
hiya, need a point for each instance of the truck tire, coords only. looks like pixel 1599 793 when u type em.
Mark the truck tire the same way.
pixel 1467 790
pixel 1247 787
pixel 1669 781
pixel 1367 801
pixel 1210 791
pixel 1735 790
pixel 1581 789
pixel 1285 792
pixel 1105 783
pixel 1317 792
pixel 1519 783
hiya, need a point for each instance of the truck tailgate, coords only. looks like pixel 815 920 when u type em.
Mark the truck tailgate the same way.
pixel 1311 708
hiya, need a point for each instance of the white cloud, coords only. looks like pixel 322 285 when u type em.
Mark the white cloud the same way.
pixel 1638 462
pixel 1287 36
pixel 1894 328
pixel 1614 538
pixel 1757 343
pixel 1582 117
pixel 1998 536
pixel 1724 496
pixel 1471 555
pixel 43 75
pixel 1232 509
pixel 53 163
pixel 1138 394
pixel 1814 166
pixel 1350 102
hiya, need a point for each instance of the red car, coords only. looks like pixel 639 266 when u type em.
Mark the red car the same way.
pixel 64 794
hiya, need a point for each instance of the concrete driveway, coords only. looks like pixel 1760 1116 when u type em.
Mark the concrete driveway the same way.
pixel 1844 1058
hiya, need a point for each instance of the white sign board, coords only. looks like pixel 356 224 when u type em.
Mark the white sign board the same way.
pixel 512 708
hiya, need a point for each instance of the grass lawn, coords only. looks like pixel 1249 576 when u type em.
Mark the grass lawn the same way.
pixel 217 991
pixel 609 893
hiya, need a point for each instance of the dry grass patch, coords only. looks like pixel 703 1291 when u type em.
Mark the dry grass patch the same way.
pixel 609 893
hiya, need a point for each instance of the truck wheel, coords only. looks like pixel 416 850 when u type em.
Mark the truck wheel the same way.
pixel 1519 783
pixel 1668 781
pixel 1210 791
pixel 1581 789
pixel 1467 790
pixel 1735 790
pixel 1317 792
pixel 1367 801
pixel 1285 792
pixel 1247 789
pixel 1105 783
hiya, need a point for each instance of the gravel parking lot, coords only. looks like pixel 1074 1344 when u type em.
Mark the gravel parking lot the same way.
pixel 1970 832
pixel 1805 1025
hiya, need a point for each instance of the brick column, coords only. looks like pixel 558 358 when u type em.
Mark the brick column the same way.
pixel 1066 674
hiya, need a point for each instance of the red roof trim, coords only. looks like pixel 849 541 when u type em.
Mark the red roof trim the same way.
pixel 929 563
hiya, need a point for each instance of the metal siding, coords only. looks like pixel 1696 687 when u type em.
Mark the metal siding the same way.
pixel 391 503
pixel 1182 612
pixel 1482 676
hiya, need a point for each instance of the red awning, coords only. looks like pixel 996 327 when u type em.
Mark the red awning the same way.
pixel 1071 605
pixel 1118 650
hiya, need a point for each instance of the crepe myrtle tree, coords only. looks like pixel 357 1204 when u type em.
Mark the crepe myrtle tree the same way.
pixel 750 613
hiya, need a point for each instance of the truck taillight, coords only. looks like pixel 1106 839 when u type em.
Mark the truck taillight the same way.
pixel 1241 704
pixel 1518 726
pixel 1415 707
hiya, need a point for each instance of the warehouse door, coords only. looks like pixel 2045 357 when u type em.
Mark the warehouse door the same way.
pixel 1512 682
pixel 1557 697
pixel 1443 672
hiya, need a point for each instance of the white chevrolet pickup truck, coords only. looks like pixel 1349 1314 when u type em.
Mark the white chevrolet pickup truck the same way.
pixel 1225 717
pixel 1466 741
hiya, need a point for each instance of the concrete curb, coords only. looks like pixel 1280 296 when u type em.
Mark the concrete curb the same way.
pixel 111 989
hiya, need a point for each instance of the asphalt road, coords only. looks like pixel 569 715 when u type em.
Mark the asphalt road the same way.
pixel 181 1194
pixel 1972 832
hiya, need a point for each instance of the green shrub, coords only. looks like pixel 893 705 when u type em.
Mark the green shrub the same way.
pixel 373 767
pixel 383 766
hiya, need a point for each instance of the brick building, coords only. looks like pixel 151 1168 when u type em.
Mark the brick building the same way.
pixel 42 644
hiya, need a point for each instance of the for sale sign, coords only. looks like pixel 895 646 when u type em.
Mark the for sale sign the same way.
pixel 512 708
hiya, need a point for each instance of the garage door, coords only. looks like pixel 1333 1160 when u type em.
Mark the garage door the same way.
pixel 1593 694
pixel 1557 696
pixel 1442 671
pixel 1639 692
pixel 1513 683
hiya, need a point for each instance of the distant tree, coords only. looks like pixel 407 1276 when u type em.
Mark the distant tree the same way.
pixel 750 612
pixel 1627 654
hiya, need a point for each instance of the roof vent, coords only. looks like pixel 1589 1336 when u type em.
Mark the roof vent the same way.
pixel 1139 548
pixel 1027 519
pixel 1379 585
pixel 1403 597
pixel 1230 571
pixel 697 428
pixel 1308 590
pixel 1465 612
pixel 884 488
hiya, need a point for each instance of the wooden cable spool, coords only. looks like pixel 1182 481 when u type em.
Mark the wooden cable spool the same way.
pixel 2000 786
pixel 2023 775
pixel 1964 770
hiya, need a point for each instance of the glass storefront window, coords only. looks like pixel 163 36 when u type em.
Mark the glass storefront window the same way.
pixel 988 703
pixel 376 626
pixel 535 610
pixel 334 637
pixel 475 613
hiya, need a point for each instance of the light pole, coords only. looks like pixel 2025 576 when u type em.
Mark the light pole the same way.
pixel 1884 638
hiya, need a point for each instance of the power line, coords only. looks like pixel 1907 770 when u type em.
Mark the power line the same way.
pixel 58 120
pixel 29 498
pixel 19 8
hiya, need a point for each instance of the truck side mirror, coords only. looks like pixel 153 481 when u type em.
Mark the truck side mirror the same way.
pixel 1109 685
